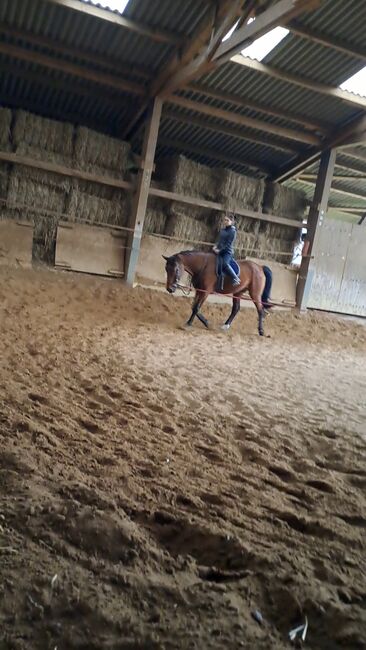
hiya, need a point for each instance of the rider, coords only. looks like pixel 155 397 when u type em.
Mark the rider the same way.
pixel 225 247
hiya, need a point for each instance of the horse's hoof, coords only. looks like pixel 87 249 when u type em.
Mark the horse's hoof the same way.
pixel 185 327
pixel 225 327
pixel 261 333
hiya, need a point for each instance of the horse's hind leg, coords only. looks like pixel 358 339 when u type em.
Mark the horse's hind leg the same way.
pixel 234 311
pixel 257 299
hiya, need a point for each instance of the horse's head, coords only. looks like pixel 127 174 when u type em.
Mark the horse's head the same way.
pixel 174 270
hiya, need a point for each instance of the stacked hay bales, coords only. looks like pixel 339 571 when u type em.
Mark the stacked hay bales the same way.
pixel 100 155
pixel 47 140
pixel 283 202
pixel 50 196
pixel 183 176
pixel 237 191
pixel 156 215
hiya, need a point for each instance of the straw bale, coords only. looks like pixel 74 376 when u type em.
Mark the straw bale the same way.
pixel 267 247
pixel 4 179
pixel 96 152
pixel 244 244
pixel 5 127
pixel 155 220
pixel 284 201
pixel 185 176
pixel 24 190
pixel 239 191
pixel 185 228
pixel 85 206
pixel 44 239
pixel 43 134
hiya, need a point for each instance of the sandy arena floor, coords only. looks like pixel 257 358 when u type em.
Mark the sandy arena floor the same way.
pixel 158 486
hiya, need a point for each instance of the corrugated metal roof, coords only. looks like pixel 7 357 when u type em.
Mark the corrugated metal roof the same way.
pixel 62 95
pixel 79 30
pixel 312 61
pixel 171 15
pixel 344 20
pixel 234 78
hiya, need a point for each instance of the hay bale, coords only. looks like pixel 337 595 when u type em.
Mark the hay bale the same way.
pixel 96 152
pixel 84 206
pixel 48 136
pixel 26 191
pixel 186 228
pixel 44 239
pixel 5 128
pixel 239 191
pixel 284 201
pixel 155 221
pixel 268 247
pixel 4 180
pixel 244 244
pixel 40 175
pixel 185 176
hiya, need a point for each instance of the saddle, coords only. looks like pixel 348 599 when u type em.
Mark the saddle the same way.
pixel 220 274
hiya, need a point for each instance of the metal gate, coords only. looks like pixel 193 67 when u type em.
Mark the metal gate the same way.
pixel 339 269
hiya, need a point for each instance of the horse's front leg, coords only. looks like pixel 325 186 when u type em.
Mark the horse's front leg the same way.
pixel 234 311
pixel 199 299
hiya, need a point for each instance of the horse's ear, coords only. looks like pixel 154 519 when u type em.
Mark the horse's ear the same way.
pixel 165 257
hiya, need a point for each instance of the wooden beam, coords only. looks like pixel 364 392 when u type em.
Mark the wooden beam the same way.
pixel 283 9
pixel 356 137
pixel 343 177
pixel 333 141
pixel 337 190
pixel 71 68
pixel 64 171
pixel 315 219
pixel 274 73
pixel 118 20
pixel 279 13
pixel 69 51
pixel 327 41
pixel 332 208
pixel 52 110
pixel 202 63
pixel 215 154
pixel 212 205
pixel 197 40
pixel 142 191
pixel 112 101
pixel 242 120
pixel 350 166
pixel 243 102
pixel 354 153
pixel 229 130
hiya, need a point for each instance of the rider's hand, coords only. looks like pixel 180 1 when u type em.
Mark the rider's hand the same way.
pixel 215 250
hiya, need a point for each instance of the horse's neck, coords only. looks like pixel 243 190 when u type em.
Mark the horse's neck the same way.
pixel 194 263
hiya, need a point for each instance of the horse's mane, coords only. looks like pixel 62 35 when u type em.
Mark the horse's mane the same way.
pixel 191 252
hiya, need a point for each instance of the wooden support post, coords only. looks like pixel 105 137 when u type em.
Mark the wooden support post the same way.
pixel 315 219
pixel 141 195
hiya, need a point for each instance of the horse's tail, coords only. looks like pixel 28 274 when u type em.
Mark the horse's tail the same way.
pixel 267 287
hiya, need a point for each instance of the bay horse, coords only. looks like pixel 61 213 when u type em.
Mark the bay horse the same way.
pixel 201 266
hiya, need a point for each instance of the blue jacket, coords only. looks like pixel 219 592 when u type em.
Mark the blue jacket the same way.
pixel 227 237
